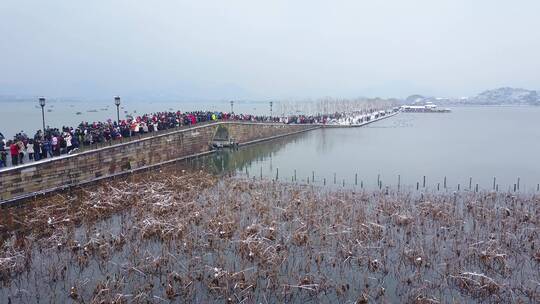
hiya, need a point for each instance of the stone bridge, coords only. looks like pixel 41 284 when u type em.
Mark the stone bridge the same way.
pixel 52 174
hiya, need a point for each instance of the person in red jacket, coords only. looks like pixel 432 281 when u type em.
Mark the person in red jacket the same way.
pixel 14 151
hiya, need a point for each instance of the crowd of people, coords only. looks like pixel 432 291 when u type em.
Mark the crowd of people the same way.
pixel 55 142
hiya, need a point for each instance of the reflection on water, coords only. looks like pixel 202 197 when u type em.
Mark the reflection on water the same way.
pixel 244 158
pixel 466 147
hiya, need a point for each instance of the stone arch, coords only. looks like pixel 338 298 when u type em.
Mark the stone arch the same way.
pixel 221 134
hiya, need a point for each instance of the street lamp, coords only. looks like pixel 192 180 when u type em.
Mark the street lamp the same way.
pixel 42 104
pixel 232 105
pixel 117 103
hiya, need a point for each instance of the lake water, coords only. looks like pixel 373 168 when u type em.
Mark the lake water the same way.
pixel 477 142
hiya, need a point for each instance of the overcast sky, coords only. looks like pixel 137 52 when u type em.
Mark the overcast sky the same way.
pixel 253 49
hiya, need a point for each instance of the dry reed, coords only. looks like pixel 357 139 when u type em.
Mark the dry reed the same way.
pixel 193 237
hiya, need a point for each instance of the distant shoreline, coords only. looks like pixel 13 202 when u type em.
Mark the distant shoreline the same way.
pixel 488 105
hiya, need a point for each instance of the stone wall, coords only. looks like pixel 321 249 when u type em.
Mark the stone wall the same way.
pixel 65 171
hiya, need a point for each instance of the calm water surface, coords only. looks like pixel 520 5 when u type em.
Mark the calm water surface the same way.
pixel 479 142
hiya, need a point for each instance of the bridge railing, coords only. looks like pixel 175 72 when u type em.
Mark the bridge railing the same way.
pixel 123 140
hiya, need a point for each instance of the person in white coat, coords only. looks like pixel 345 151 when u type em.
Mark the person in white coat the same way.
pixel 68 138
pixel 30 149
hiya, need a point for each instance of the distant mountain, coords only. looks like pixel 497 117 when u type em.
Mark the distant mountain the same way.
pixel 415 99
pixel 500 96
pixel 508 96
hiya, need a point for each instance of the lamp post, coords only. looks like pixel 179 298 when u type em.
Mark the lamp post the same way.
pixel 42 104
pixel 232 105
pixel 117 103
pixel 271 103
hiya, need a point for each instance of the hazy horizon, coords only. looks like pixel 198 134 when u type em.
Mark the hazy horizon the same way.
pixel 214 50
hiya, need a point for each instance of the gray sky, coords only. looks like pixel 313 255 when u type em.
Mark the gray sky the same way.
pixel 267 49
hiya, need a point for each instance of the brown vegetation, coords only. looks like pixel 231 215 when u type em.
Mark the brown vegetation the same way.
pixel 193 237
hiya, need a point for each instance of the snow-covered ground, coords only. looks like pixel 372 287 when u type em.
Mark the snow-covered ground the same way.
pixel 356 119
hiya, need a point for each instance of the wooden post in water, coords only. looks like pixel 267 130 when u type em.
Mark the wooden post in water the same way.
pixel 324 181
pixel 313 176
pixel 378 179
pixel 356 179
pixel 247 172
pixel 470 183
pixel 497 188
pixel 494 182
pixel 438 186
pixel 334 178
pixel 445 182
pixel 424 184
pixel 398 182
pixel 458 187
pixel 515 187
pixel 417 185
pixel 537 187
pixel 277 174
pixel 261 172
pixel 294 174
pixel 308 179
pixel 518 183
pixel 476 187
pixel 343 183
pixel 362 184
